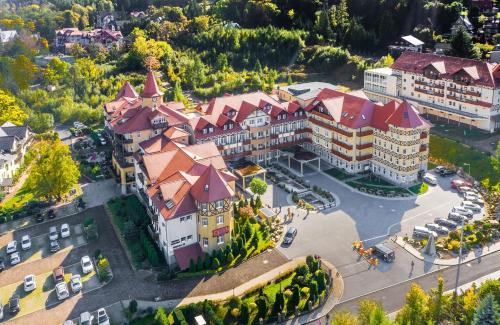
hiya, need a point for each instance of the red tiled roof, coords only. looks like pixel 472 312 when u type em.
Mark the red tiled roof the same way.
pixel 405 116
pixel 127 91
pixel 184 255
pixel 481 72
pixel 211 186
pixel 151 87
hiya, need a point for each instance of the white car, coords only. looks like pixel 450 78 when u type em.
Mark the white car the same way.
pixel 87 266
pixel 463 211
pixel 53 235
pixel 26 242
pixel 15 258
pixel 62 291
pixel 65 231
pixel 474 199
pixel 29 283
pixel 430 179
pixel 102 317
pixel 471 206
pixel 11 247
pixel 76 283
pixel 86 318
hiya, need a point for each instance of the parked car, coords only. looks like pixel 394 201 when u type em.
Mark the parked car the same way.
pixel 1 310
pixel 437 228
pixel 465 189
pixel 457 217
pixel 384 252
pixel 29 283
pixel 463 211
pixel 54 246
pixel 439 168
pixel 68 322
pixel 14 304
pixel 471 206
pixel 430 179
pixel 289 236
pixel 15 258
pixel 456 183
pixel 446 172
pixel 58 274
pixel 62 291
pixel 87 266
pixel 102 317
pixel 11 247
pixel 86 318
pixel 2 265
pixel 39 217
pixel 25 242
pixel 53 234
pixel 65 231
pixel 474 199
pixel 446 223
pixel 423 232
pixel 51 214
pixel 76 283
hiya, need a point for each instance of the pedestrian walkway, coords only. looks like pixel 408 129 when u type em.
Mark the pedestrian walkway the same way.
pixel 472 255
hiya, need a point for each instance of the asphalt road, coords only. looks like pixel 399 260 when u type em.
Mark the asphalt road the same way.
pixel 393 297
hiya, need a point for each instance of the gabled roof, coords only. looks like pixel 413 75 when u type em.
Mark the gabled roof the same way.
pixel 151 88
pixel 211 186
pixel 405 116
pixel 414 62
pixel 127 91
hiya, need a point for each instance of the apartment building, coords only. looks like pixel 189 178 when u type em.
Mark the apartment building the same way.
pixel 356 134
pixel 188 192
pixel 14 142
pixel 253 125
pixel 132 118
pixel 455 90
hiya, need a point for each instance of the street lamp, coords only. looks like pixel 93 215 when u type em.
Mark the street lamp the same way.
pixel 467 164
pixel 459 260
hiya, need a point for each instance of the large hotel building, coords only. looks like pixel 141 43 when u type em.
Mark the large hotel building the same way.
pixel 454 90
pixel 175 159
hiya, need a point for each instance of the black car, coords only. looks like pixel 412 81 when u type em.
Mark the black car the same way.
pixel 51 214
pixel 290 235
pixel 447 172
pixel 14 304
pixel 39 217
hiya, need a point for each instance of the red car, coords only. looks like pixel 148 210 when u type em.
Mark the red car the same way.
pixel 458 183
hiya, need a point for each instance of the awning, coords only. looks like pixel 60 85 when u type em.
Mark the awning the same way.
pixel 184 255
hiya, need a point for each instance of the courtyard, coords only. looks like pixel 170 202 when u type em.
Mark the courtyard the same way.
pixel 373 220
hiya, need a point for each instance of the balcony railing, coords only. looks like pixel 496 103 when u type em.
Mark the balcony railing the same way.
pixel 341 155
pixel 342 144
pixel 423 148
pixel 330 127
pixel 364 157
pixel 423 135
pixel 364 146
pixel 365 133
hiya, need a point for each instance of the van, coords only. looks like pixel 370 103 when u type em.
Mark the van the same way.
pixel 384 252
pixel 420 232
pixel 430 179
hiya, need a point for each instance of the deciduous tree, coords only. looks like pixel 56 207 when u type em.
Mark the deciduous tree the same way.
pixel 9 110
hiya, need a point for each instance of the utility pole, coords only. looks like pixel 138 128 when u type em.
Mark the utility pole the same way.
pixel 459 262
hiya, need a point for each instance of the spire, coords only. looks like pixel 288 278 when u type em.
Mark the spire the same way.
pixel 151 87
pixel 127 91
pixel 405 116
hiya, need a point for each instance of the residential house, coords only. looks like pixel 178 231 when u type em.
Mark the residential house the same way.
pixel 14 142
pixel 462 22
pixel 406 43
pixel 455 90
pixel 67 37
pixel 7 36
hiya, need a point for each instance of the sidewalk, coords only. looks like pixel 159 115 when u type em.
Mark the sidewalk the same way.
pixel 472 255
pixel 116 309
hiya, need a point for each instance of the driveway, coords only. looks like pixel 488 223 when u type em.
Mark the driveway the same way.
pixel 359 217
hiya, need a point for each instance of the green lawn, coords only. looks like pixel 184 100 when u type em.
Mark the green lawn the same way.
pixel 443 150
pixel 19 199
pixel 374 180
pixel 338 174
pixel 456 132
pixel 374 188
pixel 419 188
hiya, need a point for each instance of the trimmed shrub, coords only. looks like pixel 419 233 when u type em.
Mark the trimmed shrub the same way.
pixel 179 317
pixel 244 314
pixel 199 264
pixel 313 291
pixel 261 307
pixel 192 267
pixel 161 317
pixel 132 306
pixel 207 262
pixel 279 303
pixel 215 264
pixel 320 279
pixel 295 299
pixel 230 258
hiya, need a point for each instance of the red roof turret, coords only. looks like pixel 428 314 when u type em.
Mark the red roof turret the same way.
pixel 151 87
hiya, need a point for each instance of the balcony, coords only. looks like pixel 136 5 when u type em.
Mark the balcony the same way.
pixel 263 128
pixel 120 160
pixel 429 92
pixel 364 157
pixel 288 144
pixel 330 127
pixel 259 141
pixel 247 141
pixel 429 84
pixel 342 144
pixel 365 133
pixel 258 152
pixel 304 130
pixel 364 146
pixel 423 135
pixel 341 155
pixel 423 148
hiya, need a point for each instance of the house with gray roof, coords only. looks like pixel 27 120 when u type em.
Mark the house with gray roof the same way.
pixel 14 142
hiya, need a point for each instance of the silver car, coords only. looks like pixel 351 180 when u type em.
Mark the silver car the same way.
pixel 437 228
pixel 463 211
pixel 457 217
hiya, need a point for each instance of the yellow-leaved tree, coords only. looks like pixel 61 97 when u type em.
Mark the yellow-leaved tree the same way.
pixel 9 110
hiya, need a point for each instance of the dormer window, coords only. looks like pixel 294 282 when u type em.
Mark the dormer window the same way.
pixel 205 131
pixel 169 204
pixel 210 129
pixel 225 127
pixel 206 188
pixel 230 126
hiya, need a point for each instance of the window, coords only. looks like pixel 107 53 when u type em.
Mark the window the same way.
pixel 190 237
pixel 220 240
pixel 205 242
pixel 220 219
pixel 219 204
pixel 182 219
pixel 204 222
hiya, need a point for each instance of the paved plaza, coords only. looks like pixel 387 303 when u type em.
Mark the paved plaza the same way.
pixel 330 233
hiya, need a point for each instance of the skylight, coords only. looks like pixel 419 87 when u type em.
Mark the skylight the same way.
pixel 169 204
pixel 206 188
pixel 363 116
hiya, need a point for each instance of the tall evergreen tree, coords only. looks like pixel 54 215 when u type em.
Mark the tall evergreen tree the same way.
pixel 487 312
pixel 462 45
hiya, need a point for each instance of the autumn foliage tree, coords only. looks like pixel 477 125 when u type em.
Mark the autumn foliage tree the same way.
pixel 9 110
pixel 54 173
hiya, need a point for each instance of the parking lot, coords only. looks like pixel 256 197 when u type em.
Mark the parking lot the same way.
pixel 331 233
pixel 39 261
